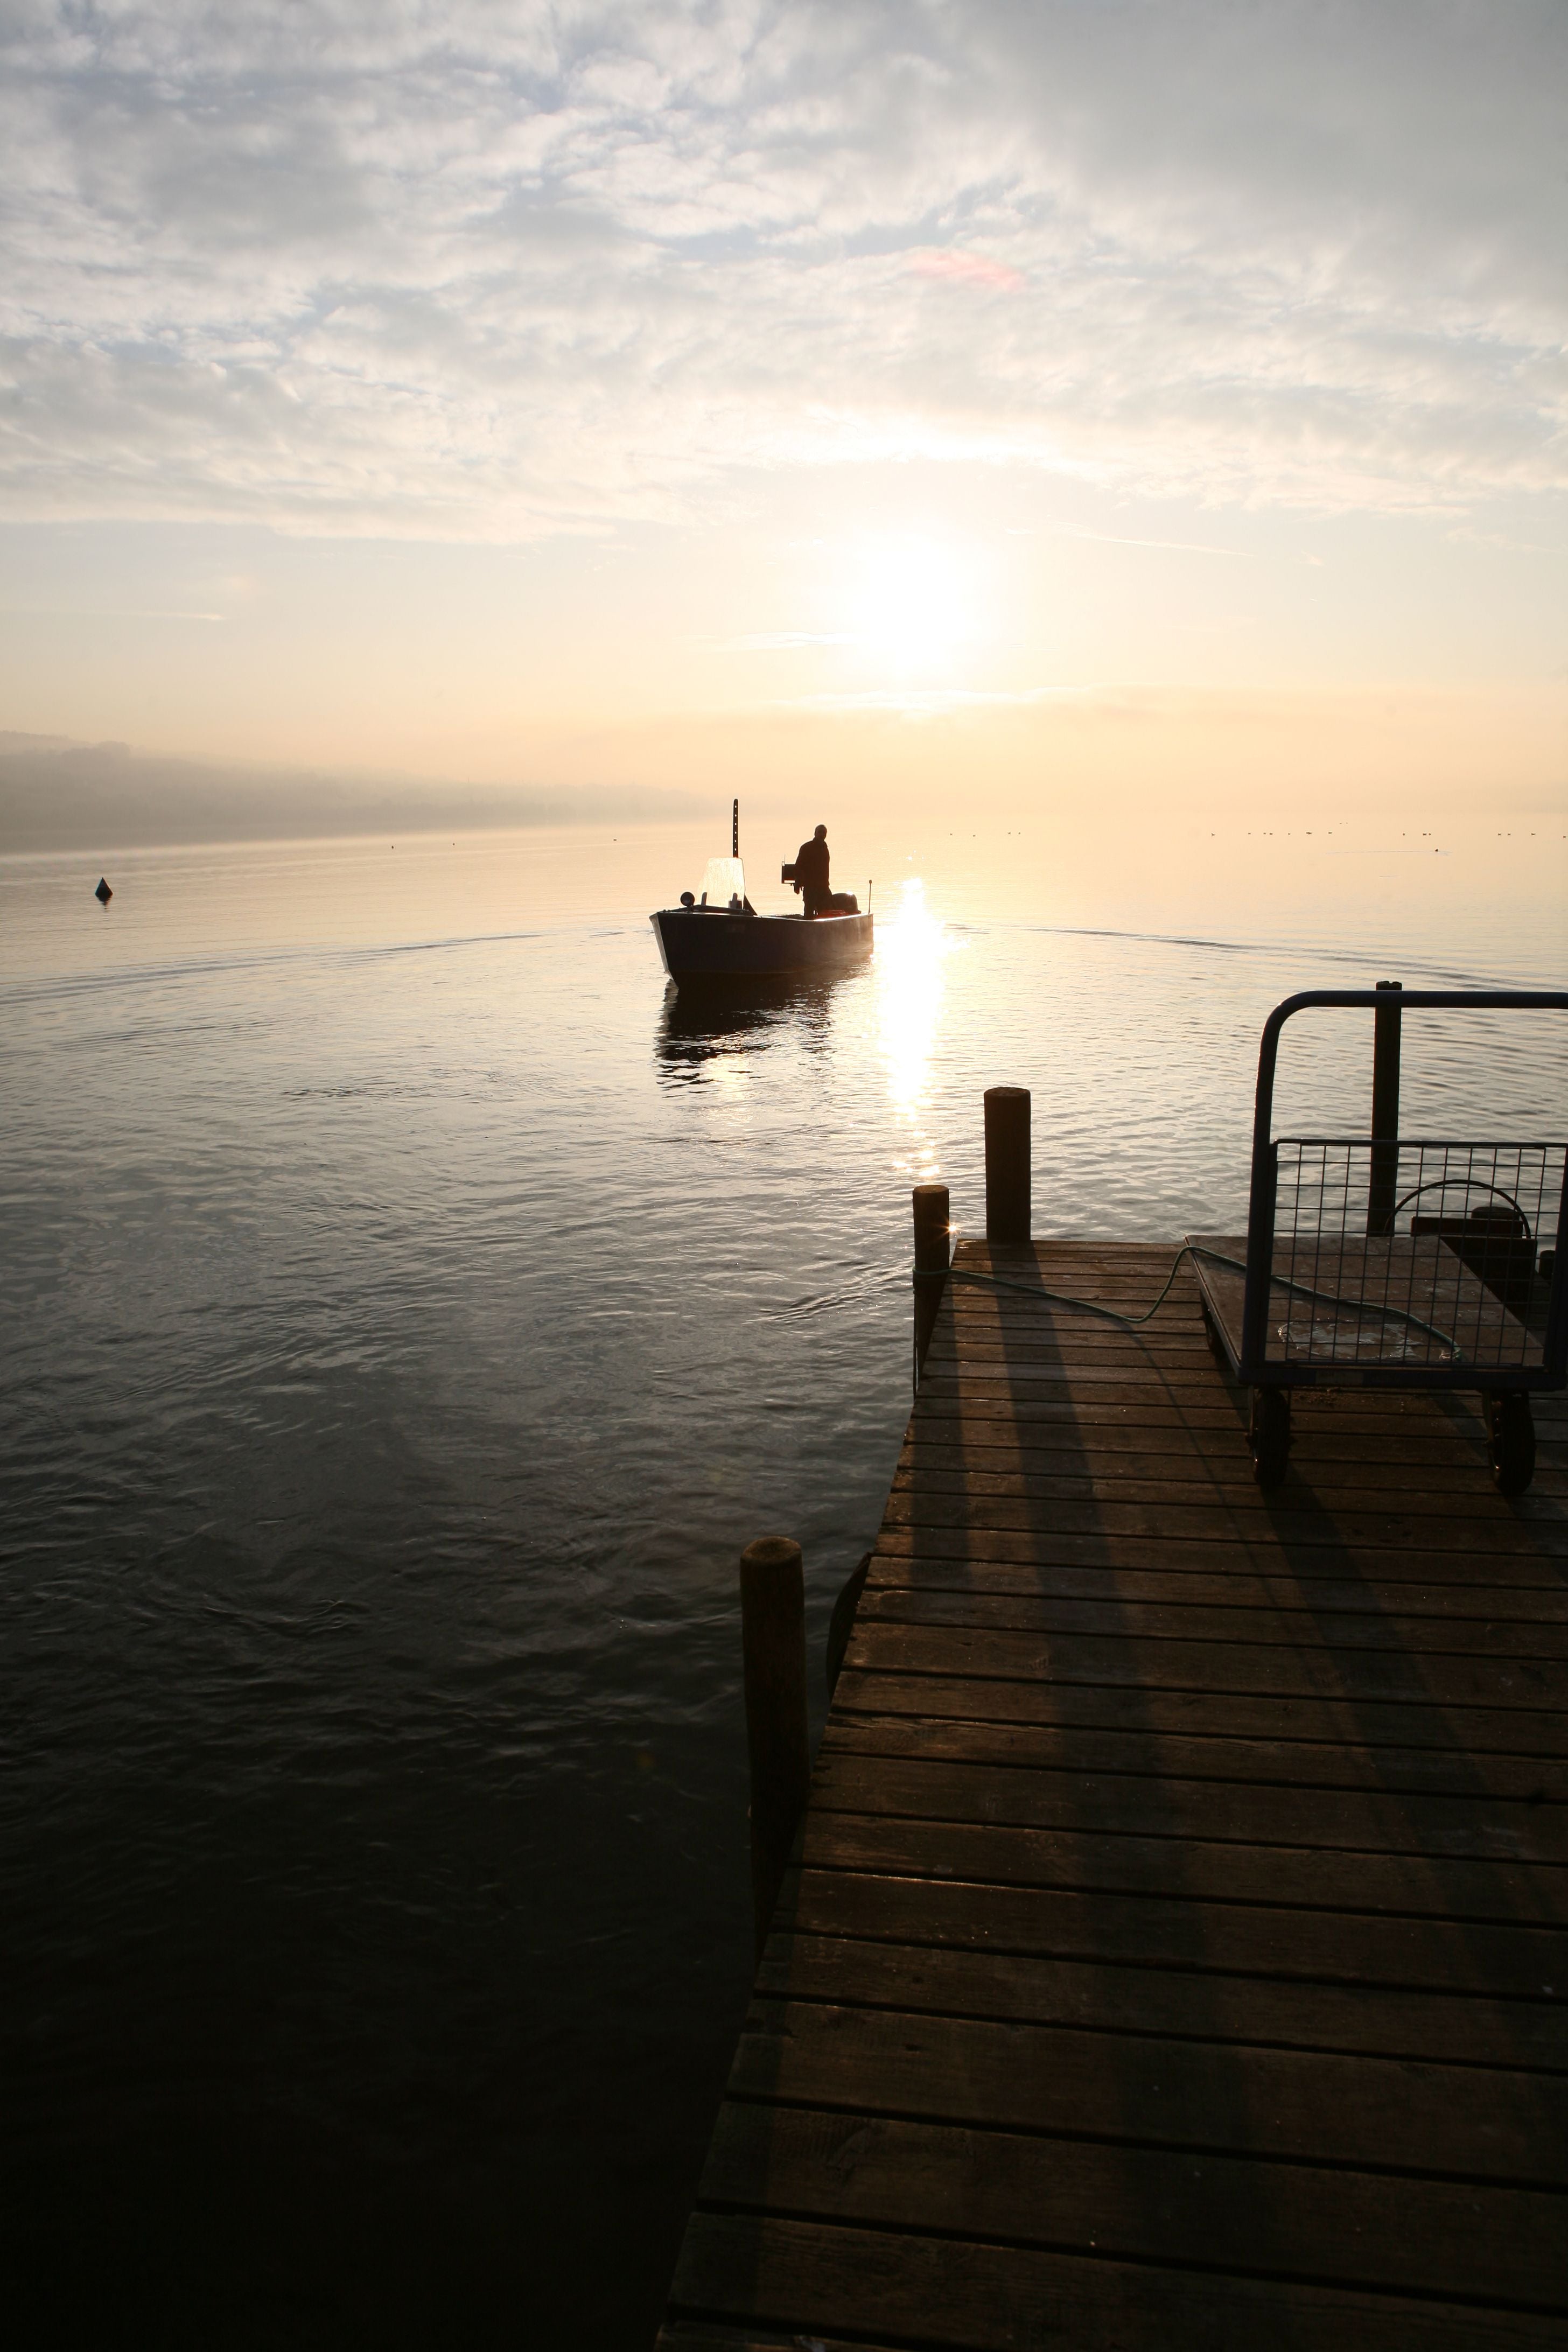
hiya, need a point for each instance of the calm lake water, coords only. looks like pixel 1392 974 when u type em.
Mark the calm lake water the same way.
pixel 413 1309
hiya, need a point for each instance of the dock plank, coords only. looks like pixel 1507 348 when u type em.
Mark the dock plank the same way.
pixel 1237 1579
pixel 928 1788
pixel 1177 1950
pixel 1251 1667
pixel 1232 1939
pixel 1212 1870
pixel 1370 1723
pixel 1151 2205
pixel 1256 1620
pixel 1312 1765
pixel 897 2288
pixel 1256 1546
pixel 1101 1994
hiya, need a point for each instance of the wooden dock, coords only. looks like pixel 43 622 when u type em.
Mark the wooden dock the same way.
pixel 1176 1957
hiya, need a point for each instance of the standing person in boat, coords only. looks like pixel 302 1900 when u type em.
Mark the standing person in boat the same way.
pixel 811 873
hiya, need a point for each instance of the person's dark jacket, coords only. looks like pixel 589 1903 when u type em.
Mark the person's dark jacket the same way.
pixel 810 869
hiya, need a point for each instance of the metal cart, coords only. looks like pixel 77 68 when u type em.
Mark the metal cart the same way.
pixel 1390 1262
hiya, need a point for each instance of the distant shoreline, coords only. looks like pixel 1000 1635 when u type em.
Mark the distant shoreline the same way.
pixel 412 836
pixel 94 798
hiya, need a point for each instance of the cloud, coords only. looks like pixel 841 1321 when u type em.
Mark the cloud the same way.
pixel 969 269
pixel 1171 546
pixel 938 701
pixel 786 641
pixel 465 270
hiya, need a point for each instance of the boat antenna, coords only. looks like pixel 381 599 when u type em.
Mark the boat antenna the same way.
pixel 735 829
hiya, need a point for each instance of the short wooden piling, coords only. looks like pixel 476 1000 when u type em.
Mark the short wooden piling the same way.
pixel 1008 1206
pixel 772 1643
pixel 1382 1184
pixel 934 1226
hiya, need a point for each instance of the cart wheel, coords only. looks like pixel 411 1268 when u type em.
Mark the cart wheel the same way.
pixel 1268 1431
pixel 1511 1426
pixel 1216 1345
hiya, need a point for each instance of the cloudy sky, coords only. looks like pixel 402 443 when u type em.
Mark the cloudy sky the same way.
pixel 619 392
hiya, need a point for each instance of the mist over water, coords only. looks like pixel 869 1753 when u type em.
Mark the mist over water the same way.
pixel 414 1308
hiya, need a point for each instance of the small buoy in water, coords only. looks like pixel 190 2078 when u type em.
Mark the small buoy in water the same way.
pixel 103 893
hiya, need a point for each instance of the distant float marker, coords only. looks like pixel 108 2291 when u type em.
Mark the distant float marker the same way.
pixel 103 893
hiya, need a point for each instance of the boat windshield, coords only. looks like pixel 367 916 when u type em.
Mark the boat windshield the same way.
pixel 724 884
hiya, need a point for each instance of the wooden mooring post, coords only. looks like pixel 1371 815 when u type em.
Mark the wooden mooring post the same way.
pixel 933 1228
pixel 1008 1206
pixel 772 1644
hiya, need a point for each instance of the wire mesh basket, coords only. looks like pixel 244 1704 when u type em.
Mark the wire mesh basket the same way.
pixel 1383 1261
pixel 1450 1294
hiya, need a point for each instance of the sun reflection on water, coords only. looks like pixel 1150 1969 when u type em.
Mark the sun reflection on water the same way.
pixel 910 951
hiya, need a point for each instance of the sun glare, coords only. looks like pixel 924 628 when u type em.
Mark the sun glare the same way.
pixel 910 949
pixel 913 603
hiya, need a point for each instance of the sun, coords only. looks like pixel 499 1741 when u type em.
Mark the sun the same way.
pixel 913 603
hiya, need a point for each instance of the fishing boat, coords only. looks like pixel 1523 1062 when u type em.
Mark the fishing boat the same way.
pixel 717 934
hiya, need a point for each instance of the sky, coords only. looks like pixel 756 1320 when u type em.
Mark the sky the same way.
pixel 1065 400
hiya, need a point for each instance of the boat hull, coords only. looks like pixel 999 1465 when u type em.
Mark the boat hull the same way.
pixel 696 943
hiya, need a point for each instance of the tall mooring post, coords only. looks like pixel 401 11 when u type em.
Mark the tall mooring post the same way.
pixel 934 1226
pixel 772 1644
pixel 1007 1205
pixel 1383 1184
